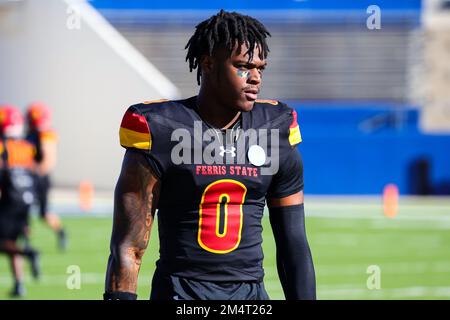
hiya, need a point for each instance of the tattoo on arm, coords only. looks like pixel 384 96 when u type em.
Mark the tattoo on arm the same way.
pixel 135 202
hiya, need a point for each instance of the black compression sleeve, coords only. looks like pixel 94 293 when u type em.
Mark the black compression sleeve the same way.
pixel 294 260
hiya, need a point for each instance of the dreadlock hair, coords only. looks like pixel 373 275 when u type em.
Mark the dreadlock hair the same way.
pixel 224 30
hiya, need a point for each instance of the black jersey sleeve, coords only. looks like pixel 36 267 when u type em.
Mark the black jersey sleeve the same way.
pixel 139 133
pixel 289 177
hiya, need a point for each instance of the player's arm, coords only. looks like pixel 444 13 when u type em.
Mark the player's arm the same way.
pixel 287 218
pixel 135 201
pixel 294 260
pixel 48 162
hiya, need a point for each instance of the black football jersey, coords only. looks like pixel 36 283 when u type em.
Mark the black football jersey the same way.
pixel 214 183
pixel 17 179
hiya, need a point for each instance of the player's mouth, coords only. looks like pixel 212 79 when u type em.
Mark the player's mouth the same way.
pixel 251 94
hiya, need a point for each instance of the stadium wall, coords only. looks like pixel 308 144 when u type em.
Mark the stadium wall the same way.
pixel 66 55
pixel 87 76
pixel 353 148
pixel 257 4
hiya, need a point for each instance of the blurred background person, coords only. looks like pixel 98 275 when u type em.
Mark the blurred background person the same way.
pixel 17 182
pixel 44 138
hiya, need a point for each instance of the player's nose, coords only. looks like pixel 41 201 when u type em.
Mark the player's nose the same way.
pixel 255 77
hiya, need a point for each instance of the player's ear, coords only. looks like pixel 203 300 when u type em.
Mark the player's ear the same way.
pixel 207 64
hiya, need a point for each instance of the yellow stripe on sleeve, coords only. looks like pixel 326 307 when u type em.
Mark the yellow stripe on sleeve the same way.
pixel 155 101
pixel 295 136
pixel 49 136
pixel 132 139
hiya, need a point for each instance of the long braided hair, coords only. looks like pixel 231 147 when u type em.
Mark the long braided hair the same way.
pixel 225 30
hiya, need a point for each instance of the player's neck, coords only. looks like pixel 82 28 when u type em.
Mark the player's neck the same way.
pixel 215 113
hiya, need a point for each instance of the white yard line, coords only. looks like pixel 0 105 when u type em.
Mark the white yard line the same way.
pixel 361 215
pixel 344 291
pixel 413 267
pixel 393 293
pixel 61 279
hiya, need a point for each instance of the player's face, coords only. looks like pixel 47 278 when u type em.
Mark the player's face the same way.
pixel 239 80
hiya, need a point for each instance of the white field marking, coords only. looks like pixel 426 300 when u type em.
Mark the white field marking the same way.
pixel 425 201
pixel 376 206
pixel 345 291
pixel 354 291
pixel 86 278
pixel 353 214
pixel 415 267
pixel 65 202
pixel 405 292
pixel 429 248
pixel 410 208
pixel 349 213
pixel 380 222
pixel 419 223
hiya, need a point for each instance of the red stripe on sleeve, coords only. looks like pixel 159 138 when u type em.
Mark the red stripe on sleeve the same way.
pixel 135 122
pixel 294 121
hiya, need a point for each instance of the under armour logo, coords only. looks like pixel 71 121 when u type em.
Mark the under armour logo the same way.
pixel 232 151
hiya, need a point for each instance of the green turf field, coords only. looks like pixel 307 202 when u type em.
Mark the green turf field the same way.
pixel 346 237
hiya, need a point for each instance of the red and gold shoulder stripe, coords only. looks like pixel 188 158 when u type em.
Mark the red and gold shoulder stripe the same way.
pixel 49 136
pixel 295 136
pixel 155 101
pixel 134 132
pixel 272 102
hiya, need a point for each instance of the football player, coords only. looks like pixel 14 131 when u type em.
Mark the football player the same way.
pixel 44 138
pixel 208 164
pixel 17 182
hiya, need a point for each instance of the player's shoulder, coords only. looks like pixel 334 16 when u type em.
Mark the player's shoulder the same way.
pixel 279 115
pixel 163 112
pixel 142 121
pixel 161 107
pixel 49 135
pixel 267 111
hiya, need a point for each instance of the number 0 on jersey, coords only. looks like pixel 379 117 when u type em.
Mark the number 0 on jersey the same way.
pixel 226 196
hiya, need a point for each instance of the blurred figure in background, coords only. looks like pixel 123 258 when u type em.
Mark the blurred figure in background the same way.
pixel 44 139
pixel 17 184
